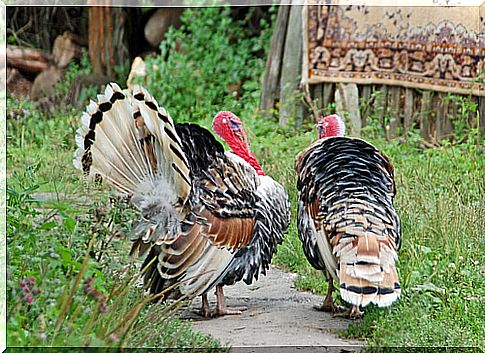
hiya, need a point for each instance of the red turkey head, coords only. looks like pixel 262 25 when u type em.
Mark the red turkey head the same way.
pixel 331 126
pixel 229 127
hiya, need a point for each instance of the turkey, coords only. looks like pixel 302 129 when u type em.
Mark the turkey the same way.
pixel 272 212
pixel 206 217
pixel 346 219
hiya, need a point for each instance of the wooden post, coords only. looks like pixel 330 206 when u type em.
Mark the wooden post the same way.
pixel 328 94
pixel 318 96
pixel 424 115
pixel 394 112
pixel 382 104
pixel 481 111
pixel 291 68
pixel 408 109
pixel 347 101
pixel 365 107
pixel 270 89
pixel 444 127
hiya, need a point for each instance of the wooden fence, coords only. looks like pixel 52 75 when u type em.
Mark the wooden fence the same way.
pixel 397 109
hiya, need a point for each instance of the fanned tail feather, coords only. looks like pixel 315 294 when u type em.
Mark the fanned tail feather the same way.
pixel 131 142
pixel 367 272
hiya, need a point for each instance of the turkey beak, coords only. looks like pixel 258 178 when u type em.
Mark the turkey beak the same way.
pixel 239 135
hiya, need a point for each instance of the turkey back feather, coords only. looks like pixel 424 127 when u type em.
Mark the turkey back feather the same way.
pixel 346 189
pixel 272 218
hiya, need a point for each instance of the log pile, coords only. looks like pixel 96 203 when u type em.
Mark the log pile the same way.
pixel 32 61
pixel 46 69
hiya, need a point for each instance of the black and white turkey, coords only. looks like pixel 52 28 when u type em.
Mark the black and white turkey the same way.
pixel 346 218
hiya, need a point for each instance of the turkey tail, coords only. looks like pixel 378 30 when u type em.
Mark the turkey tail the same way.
pixel 131 142
pixel 367 271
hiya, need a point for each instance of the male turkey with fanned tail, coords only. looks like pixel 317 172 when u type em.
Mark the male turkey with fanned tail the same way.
pixel 346 218
pixel 202 210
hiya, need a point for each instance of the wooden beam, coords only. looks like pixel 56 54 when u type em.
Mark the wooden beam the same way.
pixel 291 68
pixel 270 89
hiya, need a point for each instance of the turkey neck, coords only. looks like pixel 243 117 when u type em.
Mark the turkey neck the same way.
pixel 243 150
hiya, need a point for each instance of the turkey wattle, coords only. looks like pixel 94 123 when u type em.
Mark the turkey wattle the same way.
pixel 346 219
pixel 200 207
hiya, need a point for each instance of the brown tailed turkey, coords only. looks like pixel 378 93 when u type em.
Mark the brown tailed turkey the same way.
pixel 346 218
pixel 207 218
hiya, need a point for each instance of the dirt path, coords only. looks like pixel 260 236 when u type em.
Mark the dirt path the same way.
pixel 277 315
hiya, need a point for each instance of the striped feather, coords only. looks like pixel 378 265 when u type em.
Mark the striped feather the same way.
pixel 123 140
pixel 271 221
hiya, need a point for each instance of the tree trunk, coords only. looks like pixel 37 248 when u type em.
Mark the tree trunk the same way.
pixel 107 39
pixel 270 93
pixel 290 107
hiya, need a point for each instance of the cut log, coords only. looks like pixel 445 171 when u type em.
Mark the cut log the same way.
pixel 45 82
pixel 138 69
pixel 17 85
pixel 270 89
pixel 65 49
pixel 28 60
pixel 160 22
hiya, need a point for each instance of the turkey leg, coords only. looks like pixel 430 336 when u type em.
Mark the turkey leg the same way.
pixel 328 305
pixel 204 310
pixel 221 305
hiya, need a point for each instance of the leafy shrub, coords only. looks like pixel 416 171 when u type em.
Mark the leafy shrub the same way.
pixel 211 63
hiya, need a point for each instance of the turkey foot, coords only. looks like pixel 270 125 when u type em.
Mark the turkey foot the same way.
pixel 221 309
pixel 352 313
